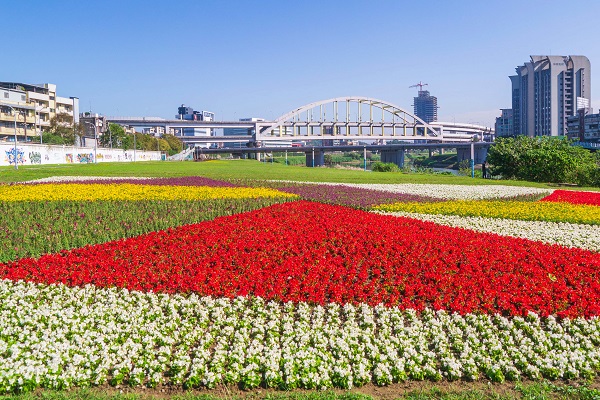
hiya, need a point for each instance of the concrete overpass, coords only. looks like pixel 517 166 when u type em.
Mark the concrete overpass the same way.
pixel 393 153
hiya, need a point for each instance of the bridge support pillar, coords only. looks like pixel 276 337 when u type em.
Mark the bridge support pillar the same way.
pixel 465 154
pixel 393 156
pixel 317 161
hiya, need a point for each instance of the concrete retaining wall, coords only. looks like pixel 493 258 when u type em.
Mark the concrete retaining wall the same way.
pixel 30 154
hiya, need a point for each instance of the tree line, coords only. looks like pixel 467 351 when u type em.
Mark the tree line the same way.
pixel 544 159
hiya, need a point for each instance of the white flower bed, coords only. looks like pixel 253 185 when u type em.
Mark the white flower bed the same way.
pixel 562 233
pixel 57 337
pixel 448 192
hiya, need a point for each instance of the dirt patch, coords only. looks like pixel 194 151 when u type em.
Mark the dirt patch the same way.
pixel 485 389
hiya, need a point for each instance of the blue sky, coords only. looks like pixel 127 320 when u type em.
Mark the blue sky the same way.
pixel 265 58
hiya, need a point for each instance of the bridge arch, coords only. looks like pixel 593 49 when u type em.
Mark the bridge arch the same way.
pixel 397 117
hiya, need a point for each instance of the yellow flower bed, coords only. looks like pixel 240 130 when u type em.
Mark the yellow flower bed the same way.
pixel 126 191
pixel 518 210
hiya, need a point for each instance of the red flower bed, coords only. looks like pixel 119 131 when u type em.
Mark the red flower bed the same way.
pixel 573 197
pixel 304 251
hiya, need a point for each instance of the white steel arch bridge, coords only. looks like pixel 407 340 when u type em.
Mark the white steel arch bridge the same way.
pixel 341 118
pixel 365 118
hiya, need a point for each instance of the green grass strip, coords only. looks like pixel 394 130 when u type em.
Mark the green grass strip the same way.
pixel 238 169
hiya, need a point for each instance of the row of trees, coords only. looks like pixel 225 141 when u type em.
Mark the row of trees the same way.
pixel 116 137
pixel 544 159
pixel 63 131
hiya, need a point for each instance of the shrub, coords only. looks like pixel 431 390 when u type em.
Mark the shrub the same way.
pixel 384 167
pixel 543 159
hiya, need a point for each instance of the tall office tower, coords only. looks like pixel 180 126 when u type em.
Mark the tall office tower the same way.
pixel 425 106
pixel 546 91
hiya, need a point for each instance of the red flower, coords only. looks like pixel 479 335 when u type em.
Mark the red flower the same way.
pixel 305 251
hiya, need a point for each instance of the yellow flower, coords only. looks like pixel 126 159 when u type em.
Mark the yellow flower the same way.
pixel 519 210
pixel 127 191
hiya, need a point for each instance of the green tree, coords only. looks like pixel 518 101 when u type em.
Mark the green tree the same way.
pixel 175 144
pixel 116 138
pixel 543 159
pixel 62 130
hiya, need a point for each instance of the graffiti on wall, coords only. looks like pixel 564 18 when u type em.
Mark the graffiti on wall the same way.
pixel 35 157
pixel 85 158
pixel 15 156
pixel 32 154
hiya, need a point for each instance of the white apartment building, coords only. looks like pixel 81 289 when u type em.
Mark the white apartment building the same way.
pixel 35 105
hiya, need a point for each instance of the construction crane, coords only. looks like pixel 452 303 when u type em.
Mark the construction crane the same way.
pixel 419 85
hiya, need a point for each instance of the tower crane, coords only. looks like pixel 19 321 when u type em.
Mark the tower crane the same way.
pixel 419 85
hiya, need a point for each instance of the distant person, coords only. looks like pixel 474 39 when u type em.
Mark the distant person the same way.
pixel 484 170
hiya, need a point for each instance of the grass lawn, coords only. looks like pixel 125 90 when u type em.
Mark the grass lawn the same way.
pixel 239 169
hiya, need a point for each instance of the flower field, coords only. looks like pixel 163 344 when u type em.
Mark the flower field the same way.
pixel 191 282
pixel 573 197
pixel 447 192
pixel 129 191
pixel 516 210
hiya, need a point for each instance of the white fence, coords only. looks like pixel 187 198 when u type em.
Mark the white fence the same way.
pixel 31 154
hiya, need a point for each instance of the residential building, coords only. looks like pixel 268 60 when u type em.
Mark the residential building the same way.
pixel 94 124
pixel 583 127
pixel 425 106
pixel 504 123
pixel 546 91
pixel 35 105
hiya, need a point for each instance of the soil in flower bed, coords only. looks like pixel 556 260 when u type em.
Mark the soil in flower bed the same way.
pixel 418 390
pixel 304 251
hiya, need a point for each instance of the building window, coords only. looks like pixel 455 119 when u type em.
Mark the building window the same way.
pixel 23 98
pixel 6 95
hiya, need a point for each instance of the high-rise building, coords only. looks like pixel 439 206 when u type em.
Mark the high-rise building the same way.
pixel 504 123
pixel 425 106
pixel 546 91
pixel 584 127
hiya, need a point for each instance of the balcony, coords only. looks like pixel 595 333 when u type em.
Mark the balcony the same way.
pixel 9 133
pixel 11 117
